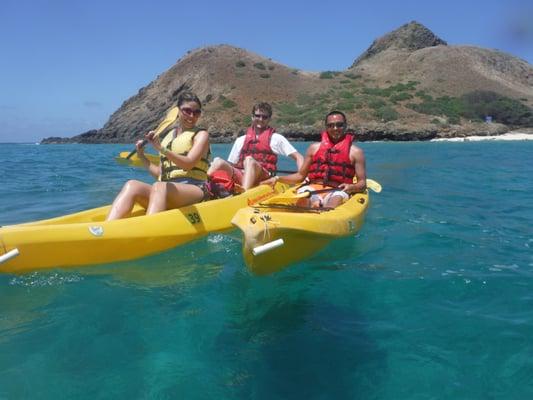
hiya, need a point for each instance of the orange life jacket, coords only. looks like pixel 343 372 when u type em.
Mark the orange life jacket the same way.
pixel 331 164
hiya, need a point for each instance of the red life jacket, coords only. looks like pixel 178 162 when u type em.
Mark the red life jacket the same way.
pixel 331 163
pixel 259 148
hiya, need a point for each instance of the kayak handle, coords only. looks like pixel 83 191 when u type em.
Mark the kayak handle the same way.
pixel 267 247
pixel 9 255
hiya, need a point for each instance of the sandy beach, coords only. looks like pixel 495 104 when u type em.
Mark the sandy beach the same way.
pixel 514 135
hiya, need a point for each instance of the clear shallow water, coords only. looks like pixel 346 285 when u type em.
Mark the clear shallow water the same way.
pixel 433 299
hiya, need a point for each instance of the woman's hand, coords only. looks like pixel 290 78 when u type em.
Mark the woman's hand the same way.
pixel 139 145
pixel 153 139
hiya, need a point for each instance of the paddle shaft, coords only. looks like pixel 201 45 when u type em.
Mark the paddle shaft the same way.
pixel 132 153
pixel 373 185
pixel 321 191
pixel 370 183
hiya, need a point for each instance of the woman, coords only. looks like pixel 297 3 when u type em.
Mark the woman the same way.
pixel 181 174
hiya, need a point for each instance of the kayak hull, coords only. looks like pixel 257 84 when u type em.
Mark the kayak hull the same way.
pixel 303 232
pixel 85 238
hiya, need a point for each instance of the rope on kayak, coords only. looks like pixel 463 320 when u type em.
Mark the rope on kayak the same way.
pixel 266 220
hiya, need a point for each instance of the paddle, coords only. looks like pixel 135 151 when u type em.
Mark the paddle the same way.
pixel 170 118
pixel 135 161
pixel 370 184
pixel 373 185
pixel 291 196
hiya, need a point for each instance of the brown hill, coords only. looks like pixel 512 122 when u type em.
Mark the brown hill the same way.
pixel 394 90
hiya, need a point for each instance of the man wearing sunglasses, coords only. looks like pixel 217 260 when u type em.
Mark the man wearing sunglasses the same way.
pixel 333 163
pixel 254 156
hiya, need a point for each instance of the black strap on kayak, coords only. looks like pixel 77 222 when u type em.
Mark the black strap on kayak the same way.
pixel 292 207
pixel 321 191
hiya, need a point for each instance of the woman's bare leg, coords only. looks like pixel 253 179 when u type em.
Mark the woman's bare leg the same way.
pixel 169 195
pixel 133 191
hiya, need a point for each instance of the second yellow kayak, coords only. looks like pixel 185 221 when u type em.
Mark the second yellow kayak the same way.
pixel 277 234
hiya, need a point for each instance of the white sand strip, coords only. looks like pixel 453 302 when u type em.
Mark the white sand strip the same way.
pixel 505 136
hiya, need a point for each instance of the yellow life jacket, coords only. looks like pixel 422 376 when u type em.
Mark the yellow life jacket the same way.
pixel 181 145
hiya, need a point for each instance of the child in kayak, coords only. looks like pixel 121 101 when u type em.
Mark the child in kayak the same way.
pixel 329 167
pixel 182 171
pixel 253 157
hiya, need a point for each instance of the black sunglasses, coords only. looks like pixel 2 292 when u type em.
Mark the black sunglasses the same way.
pixel 190 111
pixel 335 125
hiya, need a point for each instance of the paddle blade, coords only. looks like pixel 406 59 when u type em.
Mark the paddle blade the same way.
pixel 373 185
pixel 170 118
pixel 135 161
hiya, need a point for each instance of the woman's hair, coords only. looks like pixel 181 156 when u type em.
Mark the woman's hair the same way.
pixel 335 112
pixel 263 107
pixel 185 97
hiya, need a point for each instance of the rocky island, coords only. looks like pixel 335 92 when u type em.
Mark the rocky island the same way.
pixel 408 85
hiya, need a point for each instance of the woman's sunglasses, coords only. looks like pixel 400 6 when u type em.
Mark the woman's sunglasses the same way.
pixel 335 125
pixel 190 111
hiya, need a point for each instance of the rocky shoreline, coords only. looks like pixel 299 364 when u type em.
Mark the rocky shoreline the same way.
pixel 368 132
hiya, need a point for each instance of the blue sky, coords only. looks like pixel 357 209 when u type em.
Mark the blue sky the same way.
pixel 66 66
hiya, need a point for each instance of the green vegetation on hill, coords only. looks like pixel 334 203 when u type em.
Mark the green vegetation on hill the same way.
pixel 505 110
pixel 451 107
pixel 476 106
pixel 225 102
pixel 328 74
pixel 352 76
pixel 395 90
pixel 307 110
pixel 348 96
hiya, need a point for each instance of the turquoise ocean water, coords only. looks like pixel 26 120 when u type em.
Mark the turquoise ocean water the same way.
pixel 433 299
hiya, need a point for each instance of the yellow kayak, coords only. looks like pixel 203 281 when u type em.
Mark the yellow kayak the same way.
pixel 86 238
pixel 277 233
